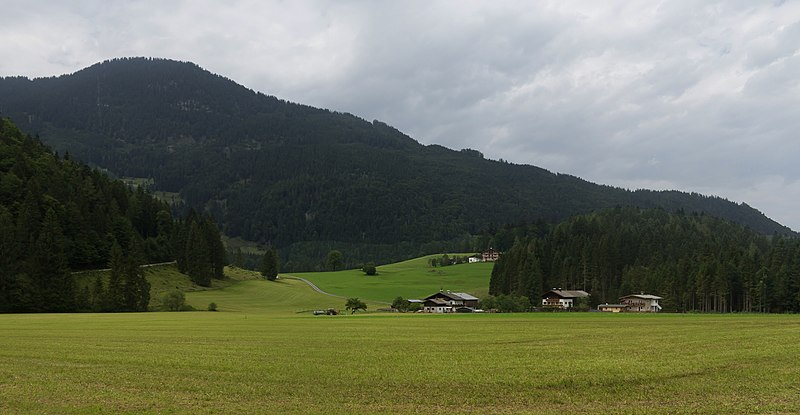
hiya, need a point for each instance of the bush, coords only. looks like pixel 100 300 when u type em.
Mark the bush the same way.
pixel 173 300
pixel 212 306
pixel 400 304
pixel 369 269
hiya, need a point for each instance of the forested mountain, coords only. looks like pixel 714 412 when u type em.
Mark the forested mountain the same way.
pixel 292 176
pixel 695 262
pixel 58 215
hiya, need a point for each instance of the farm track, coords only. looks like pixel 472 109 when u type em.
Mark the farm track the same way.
pixel 319 290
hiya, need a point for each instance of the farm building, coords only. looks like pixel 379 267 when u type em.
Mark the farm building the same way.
pixel 612 308
pixel 490 255
pixel 562 298
pixel 641 303
pixel 449 302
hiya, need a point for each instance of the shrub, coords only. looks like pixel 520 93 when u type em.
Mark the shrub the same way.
pixel 369 269
pixel 173 300
pixel 212 306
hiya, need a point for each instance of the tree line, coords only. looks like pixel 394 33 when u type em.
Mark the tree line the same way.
pixel 695 262
pixel 58 216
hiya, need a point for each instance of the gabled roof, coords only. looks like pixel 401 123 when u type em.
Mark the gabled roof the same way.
pixel 566 293
pixel 453 296
pixel 438 301
pixel 643 296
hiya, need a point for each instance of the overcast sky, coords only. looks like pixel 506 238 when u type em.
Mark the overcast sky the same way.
pixel 690 95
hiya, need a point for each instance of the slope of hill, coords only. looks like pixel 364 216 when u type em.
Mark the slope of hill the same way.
pixel 414 278
pixel 276 172
pixel 57 215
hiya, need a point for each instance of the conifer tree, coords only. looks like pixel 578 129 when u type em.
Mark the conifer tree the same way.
pixel 198 256
pixel 98 295
pixel 216 248
pixel 49 269
pixel 115 295
pixel 269 265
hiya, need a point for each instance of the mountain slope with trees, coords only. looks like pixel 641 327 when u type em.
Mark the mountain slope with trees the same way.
pixel 58 216
pixel 695 262
pixel 291 176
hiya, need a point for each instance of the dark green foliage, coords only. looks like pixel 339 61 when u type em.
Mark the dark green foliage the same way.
pixel 369 269
pixel 505 303
pixel 696 263
pixel 57 216
pixel 212 306
pixel 203 254
pixel 334 261
pixel 269 265
pixel 400 304
pixel 173 300
pixel 98 295
pixel 288 175
pixel 354 304
pixel 198 256
pixel 54 285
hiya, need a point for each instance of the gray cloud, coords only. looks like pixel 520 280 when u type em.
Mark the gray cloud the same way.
pixel 696 96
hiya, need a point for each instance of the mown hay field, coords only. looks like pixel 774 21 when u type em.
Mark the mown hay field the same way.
pixel 271 362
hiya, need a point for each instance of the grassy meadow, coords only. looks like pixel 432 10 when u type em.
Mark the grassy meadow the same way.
pixel 408 279
pixel 237 362
pixel 264 353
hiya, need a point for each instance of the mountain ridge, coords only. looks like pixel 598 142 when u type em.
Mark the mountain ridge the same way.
pixel 279 173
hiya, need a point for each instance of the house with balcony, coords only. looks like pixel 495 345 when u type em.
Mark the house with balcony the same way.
pixel 641 303
pixel 564 299
pixel 449 302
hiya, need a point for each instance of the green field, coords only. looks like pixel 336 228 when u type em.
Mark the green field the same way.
pixel 408 279
pixel 236 362
pixel 264 353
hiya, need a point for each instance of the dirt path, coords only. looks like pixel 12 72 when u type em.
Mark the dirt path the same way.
pixel 319 290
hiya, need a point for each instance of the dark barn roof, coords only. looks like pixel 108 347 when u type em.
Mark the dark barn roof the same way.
pixel 566 294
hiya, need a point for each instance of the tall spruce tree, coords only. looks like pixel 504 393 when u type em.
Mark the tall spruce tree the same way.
pixel 198 256
pixel 115 295
pixel 49 270
pixel 269 264
pixel 215 247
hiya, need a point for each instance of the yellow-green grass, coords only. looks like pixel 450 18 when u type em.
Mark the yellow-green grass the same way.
pixel 284 296
pixel 263 363
pixel 407 279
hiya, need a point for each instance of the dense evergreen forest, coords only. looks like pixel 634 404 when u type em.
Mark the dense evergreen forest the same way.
pixel 695 262
pixel 302 179
pixel 58 216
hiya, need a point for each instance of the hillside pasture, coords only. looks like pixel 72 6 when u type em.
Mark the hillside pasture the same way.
pixel 408 279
